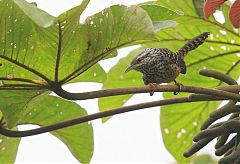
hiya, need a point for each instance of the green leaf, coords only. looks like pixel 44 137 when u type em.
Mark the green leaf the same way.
pixel 30 44
pixel 161 16
pixel 13 104
pixel 94 74
pixel 29 50
pixel 116 78
pixel 113 28
pixel 179 123
pixel 159 13
pixel 198 5
pixel 40 17
pixel 8 148
pixel 49 110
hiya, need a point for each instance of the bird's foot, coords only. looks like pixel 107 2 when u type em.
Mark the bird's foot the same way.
pixel 180 86
pixel 3 123
pixel 153 85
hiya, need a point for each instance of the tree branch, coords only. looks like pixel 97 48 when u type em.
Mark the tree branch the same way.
pixel 119 110
pixel 216 94
pixel 64 124
pixel 146 89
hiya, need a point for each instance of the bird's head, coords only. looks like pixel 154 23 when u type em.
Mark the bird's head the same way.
pixel 137 62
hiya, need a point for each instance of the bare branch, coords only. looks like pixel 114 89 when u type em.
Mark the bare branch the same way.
pixel 146 89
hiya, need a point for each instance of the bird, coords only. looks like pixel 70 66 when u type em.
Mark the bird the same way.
pixel 161 65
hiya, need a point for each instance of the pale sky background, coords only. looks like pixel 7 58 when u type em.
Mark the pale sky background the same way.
pixel 133 137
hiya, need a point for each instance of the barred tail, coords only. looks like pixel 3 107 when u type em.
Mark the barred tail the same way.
pixel 193 44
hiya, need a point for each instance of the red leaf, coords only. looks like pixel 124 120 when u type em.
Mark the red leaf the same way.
pixel 234 14
pixel 210 6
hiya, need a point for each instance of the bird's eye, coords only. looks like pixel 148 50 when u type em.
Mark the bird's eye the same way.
pixel 139 59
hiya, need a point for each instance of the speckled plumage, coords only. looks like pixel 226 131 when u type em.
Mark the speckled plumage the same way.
pixel 161 65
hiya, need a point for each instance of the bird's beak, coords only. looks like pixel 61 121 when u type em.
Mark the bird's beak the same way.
pixel 131 67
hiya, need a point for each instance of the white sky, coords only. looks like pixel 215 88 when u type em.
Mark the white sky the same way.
pixel 133 137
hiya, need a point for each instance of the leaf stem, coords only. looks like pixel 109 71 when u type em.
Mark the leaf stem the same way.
pixel 22 86
pixel 26 68
pixel 213 57
pixel 58 51
pixel 215 23
pixel 209 41
pixel 21 80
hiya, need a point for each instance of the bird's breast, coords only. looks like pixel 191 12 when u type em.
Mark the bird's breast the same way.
pixel 161 74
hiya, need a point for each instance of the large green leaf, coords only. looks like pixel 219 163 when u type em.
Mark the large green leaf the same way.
pixel 13 104
pixel 114 27
pixel 160 16
pixel 180 122
pixel 40 17
pixel 219 52
pixel 31 41
pixel 36 47
pixel 8 148
pixel 93 74
pixel 42 109
pixel 48 110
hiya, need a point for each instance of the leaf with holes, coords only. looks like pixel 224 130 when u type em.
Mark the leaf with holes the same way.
pixel 38 51
pixel 49 110
pixel 8 148
pixel 179 123
pixel 114 27
pixel 32 40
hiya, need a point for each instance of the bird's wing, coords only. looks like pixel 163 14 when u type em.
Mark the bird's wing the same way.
pixel 183 67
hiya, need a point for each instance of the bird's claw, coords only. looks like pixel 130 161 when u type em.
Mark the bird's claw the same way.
pixel 180 86
pixel 153 85
pixel 3 123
